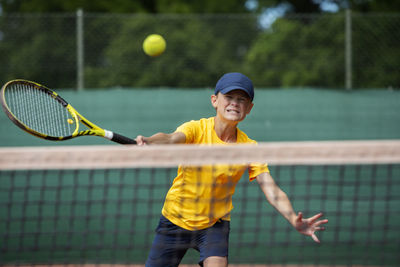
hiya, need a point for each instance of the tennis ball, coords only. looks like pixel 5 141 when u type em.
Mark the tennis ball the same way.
pixel 70 121
pixel 154 45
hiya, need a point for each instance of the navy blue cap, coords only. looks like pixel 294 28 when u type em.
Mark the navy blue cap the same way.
pixel 234 81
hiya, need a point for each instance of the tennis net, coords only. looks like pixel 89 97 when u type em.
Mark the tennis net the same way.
pixel 101 204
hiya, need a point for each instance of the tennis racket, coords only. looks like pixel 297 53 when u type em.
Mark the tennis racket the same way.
pixel 43 113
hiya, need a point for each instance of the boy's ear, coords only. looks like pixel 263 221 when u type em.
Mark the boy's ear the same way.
pixel 250 108
pixel 214 100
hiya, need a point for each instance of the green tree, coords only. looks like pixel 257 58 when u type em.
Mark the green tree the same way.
pixel 198 50
pixel 293 54
pixel 33 48
pixel 316 6
pixel 298 50
pixel 367 6
pixel 376 53
pixel 125 6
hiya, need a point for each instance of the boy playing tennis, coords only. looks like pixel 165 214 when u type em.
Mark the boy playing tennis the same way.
pixel 197 207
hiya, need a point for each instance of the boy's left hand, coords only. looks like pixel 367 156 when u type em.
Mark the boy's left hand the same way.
pixel 310 226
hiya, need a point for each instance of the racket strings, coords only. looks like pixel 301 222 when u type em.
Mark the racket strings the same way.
pixel 38 110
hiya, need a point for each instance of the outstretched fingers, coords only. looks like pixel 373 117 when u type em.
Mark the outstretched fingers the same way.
pixel 315 238
pixel 315 217
pixel 310 225
pixel 318 223
pixel 315 223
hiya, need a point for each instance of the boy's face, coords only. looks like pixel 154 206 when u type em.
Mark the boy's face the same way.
pixel 232 106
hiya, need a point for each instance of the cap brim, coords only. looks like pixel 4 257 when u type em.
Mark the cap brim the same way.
pixel 235 87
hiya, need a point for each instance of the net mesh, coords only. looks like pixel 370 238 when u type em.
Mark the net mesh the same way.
pixel 101 205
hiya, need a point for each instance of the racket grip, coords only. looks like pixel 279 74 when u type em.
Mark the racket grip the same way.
pixel 122 139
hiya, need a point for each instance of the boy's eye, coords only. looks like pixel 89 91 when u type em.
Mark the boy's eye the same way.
pixel 239 99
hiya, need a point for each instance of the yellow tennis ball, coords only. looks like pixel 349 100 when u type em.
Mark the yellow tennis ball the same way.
pixel 154 45
pixel 70 121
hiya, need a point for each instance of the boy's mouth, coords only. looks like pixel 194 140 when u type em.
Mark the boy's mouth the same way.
pixel 232 111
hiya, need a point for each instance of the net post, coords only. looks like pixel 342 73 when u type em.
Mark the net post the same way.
pixel 79 50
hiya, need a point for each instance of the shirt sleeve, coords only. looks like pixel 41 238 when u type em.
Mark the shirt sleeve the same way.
pixel 256 169
pixel 189 130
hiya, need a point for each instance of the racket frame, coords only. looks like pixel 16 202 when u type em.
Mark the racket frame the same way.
pixel 93 129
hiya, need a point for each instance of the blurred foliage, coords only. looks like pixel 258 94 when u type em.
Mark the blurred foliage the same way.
pixel 197 51
pixel 297 50
pixel 294 54
pixel 315 6
pixel 203 6
pixel 376 52
pixel 125 6
pixel 30 48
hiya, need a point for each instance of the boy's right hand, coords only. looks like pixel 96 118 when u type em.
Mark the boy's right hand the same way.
pixel 141 140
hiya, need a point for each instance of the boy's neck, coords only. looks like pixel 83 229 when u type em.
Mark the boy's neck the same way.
pixel 226 131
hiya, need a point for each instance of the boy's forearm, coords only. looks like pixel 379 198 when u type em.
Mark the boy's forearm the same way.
pixel 158 138
pixel 277 198
pixel 284 206
pixel 164 138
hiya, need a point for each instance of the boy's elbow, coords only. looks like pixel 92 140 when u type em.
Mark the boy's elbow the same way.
pixel 177 138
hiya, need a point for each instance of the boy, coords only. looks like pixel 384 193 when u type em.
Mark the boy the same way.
pixel 197 207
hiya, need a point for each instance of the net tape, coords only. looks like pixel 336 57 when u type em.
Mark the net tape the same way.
pixel 161 156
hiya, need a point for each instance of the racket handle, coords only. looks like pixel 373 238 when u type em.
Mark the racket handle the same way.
pixel 122 139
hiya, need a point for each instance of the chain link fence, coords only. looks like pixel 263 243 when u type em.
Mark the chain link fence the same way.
pixel 89 50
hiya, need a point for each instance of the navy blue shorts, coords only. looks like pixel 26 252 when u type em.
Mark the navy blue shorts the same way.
pixel 171 243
